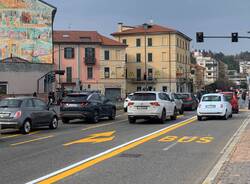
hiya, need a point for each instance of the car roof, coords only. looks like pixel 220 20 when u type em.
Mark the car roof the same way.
pixel 227 92
pixel 20 97
pixel 213 94
pixel 147 92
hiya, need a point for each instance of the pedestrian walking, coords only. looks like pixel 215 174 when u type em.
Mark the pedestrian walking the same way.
pixel 34 94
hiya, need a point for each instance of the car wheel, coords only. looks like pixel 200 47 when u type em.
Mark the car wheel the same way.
pixel 225 116
pixel 231 115
pixel 181 111
pixel 54 123
pixel 65 121
pixel 95 117
pixel 26 128
pixel 174 115
pixel 131 120
pixel 163 116
pixel 237 111
pixel 113 114
pixel 199 118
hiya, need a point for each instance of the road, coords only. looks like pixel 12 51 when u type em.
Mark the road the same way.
pixel 116 152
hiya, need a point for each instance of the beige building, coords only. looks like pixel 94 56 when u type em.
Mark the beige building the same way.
pixel 157 57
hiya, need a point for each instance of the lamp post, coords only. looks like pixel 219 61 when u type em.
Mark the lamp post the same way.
pixel 145 27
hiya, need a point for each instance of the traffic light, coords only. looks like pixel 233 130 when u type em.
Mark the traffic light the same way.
pixel 199 37
pixel 234 37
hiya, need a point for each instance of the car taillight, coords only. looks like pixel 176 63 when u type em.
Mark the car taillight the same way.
pixel 189 99
pixel 18 114
pixel 130 103
pixel 221 106
pixel 154 104
pixel 84 104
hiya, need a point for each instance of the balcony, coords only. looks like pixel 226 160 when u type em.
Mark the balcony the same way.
pixel 89 60
pixel 142 81
pixel 68 81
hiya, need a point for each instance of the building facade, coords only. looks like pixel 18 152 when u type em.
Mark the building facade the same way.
pixel 211 65
pixel 26 29
pixel 158 58
pixel 91 62
pixel 198 77
pixel 244 67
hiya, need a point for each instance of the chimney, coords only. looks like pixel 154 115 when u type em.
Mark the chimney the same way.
pixel 120 25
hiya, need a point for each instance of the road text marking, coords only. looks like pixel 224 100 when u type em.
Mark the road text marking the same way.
pixel 187 139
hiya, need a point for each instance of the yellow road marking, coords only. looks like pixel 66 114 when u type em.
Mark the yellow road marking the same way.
pixel 94 138
pixel 111 154
pixel 16 135
pixel 180 116
pixel 98 126
pixel 32 140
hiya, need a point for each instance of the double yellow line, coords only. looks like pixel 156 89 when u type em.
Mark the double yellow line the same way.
pixel 82 165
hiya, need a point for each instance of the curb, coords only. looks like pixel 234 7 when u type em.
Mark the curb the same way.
pixel 226 152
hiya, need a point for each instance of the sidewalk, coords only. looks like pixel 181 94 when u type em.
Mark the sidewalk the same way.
pixel 234 165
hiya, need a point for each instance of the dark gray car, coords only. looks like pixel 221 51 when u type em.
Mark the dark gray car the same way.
pixel 26 113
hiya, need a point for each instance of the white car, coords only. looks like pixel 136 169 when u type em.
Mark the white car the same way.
pixel 215 105
pixel 126 101
pixel 151 104
pixel 178 102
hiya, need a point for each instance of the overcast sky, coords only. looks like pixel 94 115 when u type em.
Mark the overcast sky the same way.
pixel 213 17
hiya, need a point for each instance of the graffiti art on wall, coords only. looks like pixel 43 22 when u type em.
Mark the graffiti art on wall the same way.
pixel 26 30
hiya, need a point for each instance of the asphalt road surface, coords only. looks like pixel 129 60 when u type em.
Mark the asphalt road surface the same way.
pixel 116 152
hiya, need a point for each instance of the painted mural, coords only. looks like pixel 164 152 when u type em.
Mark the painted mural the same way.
pixel 26 30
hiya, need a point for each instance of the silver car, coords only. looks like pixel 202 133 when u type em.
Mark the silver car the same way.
pixel 26 113
pixel 178 102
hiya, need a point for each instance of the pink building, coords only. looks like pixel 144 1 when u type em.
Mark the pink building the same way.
pixel 91 61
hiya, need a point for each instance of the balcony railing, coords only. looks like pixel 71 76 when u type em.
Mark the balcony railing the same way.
pixel 89 60
pixel 141 80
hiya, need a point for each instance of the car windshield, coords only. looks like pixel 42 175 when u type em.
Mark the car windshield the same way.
pixel 228 97
pixel 130 96
pixel 75 97
pixel 211 99
pixel 10 103
pixel 144 97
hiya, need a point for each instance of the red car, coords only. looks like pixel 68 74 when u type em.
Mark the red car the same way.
pixel 232 98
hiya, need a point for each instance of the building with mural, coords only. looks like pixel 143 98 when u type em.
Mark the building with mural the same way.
pixel 26 29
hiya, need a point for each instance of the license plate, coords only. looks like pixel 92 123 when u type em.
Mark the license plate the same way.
pixel 210 106
pixel 142 107
pixel 72 105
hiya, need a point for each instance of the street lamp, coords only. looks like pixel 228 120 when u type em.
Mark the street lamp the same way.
pixel 145 27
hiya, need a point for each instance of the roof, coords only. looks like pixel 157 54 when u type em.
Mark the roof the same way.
pixel 91 37
pixel 153 29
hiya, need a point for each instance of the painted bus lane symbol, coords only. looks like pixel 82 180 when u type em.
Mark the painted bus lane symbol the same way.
pixel 187 139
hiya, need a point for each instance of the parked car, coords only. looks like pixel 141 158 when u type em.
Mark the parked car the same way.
pixel 26 113
pixel 126 101
pixel 190 102
pixel 232 98
pixel 151 105
pixel 178 102
pixel 214 104
pixel 86 105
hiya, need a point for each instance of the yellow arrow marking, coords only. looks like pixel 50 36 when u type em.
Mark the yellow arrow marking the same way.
pixel 94 138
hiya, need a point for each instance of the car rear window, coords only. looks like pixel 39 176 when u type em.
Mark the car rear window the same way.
pixel 182 96
pixel 144 97
pixel 211 99
pixel 10 103
pixel 75 98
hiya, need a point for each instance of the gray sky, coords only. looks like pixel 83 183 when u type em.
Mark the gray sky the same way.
pixel 213 17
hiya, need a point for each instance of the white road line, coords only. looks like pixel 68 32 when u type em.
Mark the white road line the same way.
pixel 170 146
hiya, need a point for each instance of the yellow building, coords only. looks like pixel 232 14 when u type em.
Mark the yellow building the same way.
pixel 167 63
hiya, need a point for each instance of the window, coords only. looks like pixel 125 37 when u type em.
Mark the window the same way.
pixel 211 99
pixel 106 72
pixel 90 52
pixel 3 88
pixel 126 57
pixel 138 74
pixel 69 74
pixel 150 57
pixel 144 97
pixel 150 74
pixel 124 41
pixel 106 55
pixel 95 97
pixel 138 88
pixel 39 103
pixel 27 103
pixel 209 73
pixel 138 42
pixel 90 73
pixel 150 42
pixel 164 88
pixel 69 53
pixel 138 57
pixel 164 96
